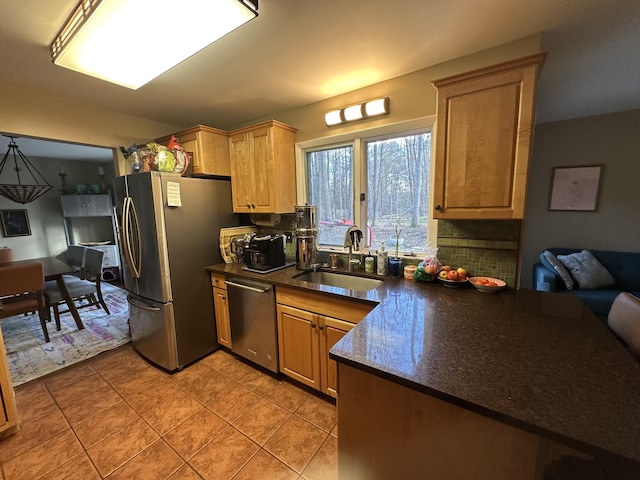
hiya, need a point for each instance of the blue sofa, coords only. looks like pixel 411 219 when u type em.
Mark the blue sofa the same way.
pixel 623 266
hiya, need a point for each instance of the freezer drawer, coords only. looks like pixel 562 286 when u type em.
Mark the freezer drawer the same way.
pixel 252 314
pixel 153 332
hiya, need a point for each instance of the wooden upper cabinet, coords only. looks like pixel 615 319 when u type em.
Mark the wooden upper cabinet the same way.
pixel 483 140
pixel 86 205
pixel 210 149
pixel 263 174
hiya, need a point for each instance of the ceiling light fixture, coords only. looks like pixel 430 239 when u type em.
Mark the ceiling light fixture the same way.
pixel 372 108
pixel 131 42
pixel 353 113
pixel 333 117
pixel 20 192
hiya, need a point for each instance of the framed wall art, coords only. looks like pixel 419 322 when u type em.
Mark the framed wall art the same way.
pixel 15 223
pixel 575 188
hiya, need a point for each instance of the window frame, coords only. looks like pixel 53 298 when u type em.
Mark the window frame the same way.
pixel 358 140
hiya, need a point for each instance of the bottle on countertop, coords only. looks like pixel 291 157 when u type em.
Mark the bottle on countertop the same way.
pixel 382 260
pixel 369 263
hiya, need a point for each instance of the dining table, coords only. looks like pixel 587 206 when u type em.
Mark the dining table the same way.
pixel 55 269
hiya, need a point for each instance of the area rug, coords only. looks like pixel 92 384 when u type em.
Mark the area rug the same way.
pixel 30 357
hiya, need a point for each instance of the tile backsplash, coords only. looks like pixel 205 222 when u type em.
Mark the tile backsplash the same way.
pixel 483 247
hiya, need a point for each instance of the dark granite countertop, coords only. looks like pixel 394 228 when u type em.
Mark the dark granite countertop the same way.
pixel 536 360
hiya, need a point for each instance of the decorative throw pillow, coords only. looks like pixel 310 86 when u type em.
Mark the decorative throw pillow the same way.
pixel 550 261
pixel 587 270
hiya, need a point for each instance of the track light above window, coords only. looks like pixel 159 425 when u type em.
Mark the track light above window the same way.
pixel 369 109
pixel 131 42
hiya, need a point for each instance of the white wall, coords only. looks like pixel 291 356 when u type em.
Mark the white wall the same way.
pixel 610 140
pixel 45 215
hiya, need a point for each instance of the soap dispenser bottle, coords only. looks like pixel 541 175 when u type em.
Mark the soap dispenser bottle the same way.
pixel 382 260
pixel 369 263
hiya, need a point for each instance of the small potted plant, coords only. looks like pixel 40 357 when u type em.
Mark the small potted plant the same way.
pixel 395 263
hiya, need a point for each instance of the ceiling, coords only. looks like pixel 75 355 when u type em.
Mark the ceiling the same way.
pixel 298 52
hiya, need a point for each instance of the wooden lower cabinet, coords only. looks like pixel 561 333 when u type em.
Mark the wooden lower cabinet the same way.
pixel 8 412
pixel 221 308
pixel 334 330
pixel 305 336
pixel 388 430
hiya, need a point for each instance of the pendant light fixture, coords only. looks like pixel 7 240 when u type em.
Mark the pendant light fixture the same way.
pixel 17 186
pixel 130 42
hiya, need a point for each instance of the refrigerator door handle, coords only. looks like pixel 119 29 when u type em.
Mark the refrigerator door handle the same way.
pixel 132 246
pixel 151 308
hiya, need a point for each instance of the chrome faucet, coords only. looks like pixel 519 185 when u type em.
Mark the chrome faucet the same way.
pixel 352 240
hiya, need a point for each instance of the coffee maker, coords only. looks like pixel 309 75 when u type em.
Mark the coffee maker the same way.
pixel 265 252
pixel 306 237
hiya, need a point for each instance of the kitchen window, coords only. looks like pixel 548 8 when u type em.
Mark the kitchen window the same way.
pixel 375 181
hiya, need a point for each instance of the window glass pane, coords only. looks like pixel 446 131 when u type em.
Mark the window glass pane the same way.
pixel 330 189
pixel 398 181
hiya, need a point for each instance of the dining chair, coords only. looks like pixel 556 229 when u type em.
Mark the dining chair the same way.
pixel 75 257
pixel 83 290
pixel 624 321
pixel 21 289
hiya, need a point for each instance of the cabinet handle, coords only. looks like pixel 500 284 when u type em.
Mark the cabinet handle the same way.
pixel 248 205
pixel 321 327
pixel 438 207
pixel 313 325
pixel 253 205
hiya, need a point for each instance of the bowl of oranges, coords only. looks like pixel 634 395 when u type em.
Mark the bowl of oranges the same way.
pixel 487 284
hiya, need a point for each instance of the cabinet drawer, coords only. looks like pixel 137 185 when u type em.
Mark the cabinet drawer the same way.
pixel 217 281
pixel 340 308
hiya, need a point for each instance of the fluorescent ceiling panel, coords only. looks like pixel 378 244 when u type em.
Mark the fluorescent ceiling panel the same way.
pixel 130 42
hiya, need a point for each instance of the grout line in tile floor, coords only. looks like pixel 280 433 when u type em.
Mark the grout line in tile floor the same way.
pixel 118 417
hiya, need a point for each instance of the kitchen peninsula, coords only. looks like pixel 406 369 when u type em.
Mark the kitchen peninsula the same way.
pixel 495 384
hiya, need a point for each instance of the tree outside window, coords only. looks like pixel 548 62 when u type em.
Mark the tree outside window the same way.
pixel 394 180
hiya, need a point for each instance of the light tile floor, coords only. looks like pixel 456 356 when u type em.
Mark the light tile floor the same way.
pixel 117 417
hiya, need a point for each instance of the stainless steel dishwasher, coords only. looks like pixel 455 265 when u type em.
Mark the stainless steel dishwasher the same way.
pixel 252 312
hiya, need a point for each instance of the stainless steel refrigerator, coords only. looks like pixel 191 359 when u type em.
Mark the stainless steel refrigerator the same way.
pixel 169 229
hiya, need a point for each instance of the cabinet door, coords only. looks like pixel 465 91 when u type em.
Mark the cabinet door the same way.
pixel 298 345
pixel 239 153
pixel 221 306
pixel 261 171
pixel 331 330
pixel 482 142
pixel 209 148
pixel 8 412
pixel 86 205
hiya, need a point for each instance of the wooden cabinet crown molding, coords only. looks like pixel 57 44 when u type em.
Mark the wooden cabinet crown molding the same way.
pixel 483 137
pixel 536 60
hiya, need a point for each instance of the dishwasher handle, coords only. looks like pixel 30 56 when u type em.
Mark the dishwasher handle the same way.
pixel 248 287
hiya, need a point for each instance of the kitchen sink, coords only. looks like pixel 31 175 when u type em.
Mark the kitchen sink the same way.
pixel 340 280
